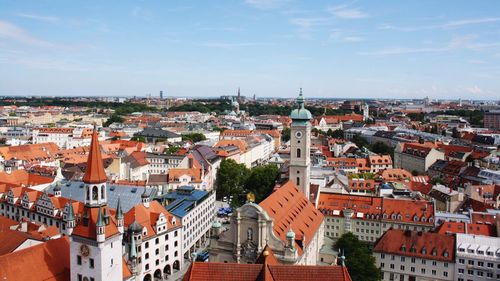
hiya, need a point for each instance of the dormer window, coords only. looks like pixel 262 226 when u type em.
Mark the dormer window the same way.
pixel 413 249
pixel 445 254
pixel 434 252
pixel 415 218
pixel 403 248
pixel 424 250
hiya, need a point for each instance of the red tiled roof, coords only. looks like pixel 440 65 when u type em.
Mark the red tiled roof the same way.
pixel 47 261
pixel 266 268
pixel 369 207
pixel 88 230
pixel 291 209
pixel 147 217
pixel 469 228
pixel 94 172
pixel 428 245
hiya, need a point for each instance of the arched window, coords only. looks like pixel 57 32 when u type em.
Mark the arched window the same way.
pixel 298 181
pixel 88 194
pixel 249 234
pixel 102 192
pixel 95 192
pixel 298 152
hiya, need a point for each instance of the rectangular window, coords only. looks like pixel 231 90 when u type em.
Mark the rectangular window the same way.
pixel 79 260
pixel 79 277
pixel 91 263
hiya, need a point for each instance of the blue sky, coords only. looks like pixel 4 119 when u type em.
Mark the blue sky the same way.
pixel 379 49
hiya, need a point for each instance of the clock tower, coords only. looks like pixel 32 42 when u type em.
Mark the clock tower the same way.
pixel 96 241
pixel 300 146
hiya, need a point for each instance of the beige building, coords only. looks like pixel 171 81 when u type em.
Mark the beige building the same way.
pixel 414 256
pixel 416 157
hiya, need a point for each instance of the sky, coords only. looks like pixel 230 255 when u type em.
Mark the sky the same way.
pixel 270 48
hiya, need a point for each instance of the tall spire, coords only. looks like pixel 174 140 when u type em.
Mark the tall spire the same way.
pixel 100 220
pixel 94 172
pixel 119 212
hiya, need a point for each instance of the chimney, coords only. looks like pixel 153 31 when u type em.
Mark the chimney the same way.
pixel 190 162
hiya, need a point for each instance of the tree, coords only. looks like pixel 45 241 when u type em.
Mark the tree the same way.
pixel 455 133
pixel 360 141
pixel 231 178
pixel 382 148
pixel 285 135
pixel 112 119
pixel 261 181
pixel 359 259
pixel 139 139
pixel 443 133
pixel 194 137
pixel 337 134
pixel 173 149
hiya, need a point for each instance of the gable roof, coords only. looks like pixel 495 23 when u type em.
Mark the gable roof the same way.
pixel 94 172
pixel 427 245
pixel 266 268
pixel 47 261
pixel 290 209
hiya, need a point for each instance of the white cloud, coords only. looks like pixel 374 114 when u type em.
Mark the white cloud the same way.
pixel 456 43
pixel 344 12
pixel 224 45
pixel 338 35
pixel 447 25
pixel 470 21
pixel 13 32
pixel 475 90
pixel 38 17
pixel 265 4
pixel 309 22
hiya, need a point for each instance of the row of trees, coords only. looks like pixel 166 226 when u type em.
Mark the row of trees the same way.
pixel 236 180
pixel 359 260
pixel 377 147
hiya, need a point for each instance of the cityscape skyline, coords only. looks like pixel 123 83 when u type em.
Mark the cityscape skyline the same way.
pixel 333 49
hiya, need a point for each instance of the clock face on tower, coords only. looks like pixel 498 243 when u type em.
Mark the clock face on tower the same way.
pixel 84 250
pixel 298 134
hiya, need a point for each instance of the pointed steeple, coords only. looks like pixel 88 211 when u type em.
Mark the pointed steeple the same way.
pixel 100 220
pixel 71 213
pixel 119 212
pixel 133 250
pixel 94 172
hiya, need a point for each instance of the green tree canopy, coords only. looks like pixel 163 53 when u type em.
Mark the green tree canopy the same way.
pixel 194 137
pixel 231 178
pixel 285 135
pixel 112 119
pixel 261 181
pixel 359 259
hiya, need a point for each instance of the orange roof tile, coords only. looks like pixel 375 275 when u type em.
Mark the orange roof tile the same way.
pixel 47 261
pixel 147 217
pixel 88 229
pixel 94 172
pixel 428 245
pixel 290 209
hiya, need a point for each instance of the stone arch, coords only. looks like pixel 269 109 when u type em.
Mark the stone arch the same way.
pixel 298 153
pixel 95 192
pixel 176 265
pixel 157 275
pixel 167 270
pixel 147 277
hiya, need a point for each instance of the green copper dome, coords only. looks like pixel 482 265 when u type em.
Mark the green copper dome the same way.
pixel 290 234
pixel 216 224
pixel 301 113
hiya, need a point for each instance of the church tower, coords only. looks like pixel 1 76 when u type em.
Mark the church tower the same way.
pixel 96 241
pixel 300 146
